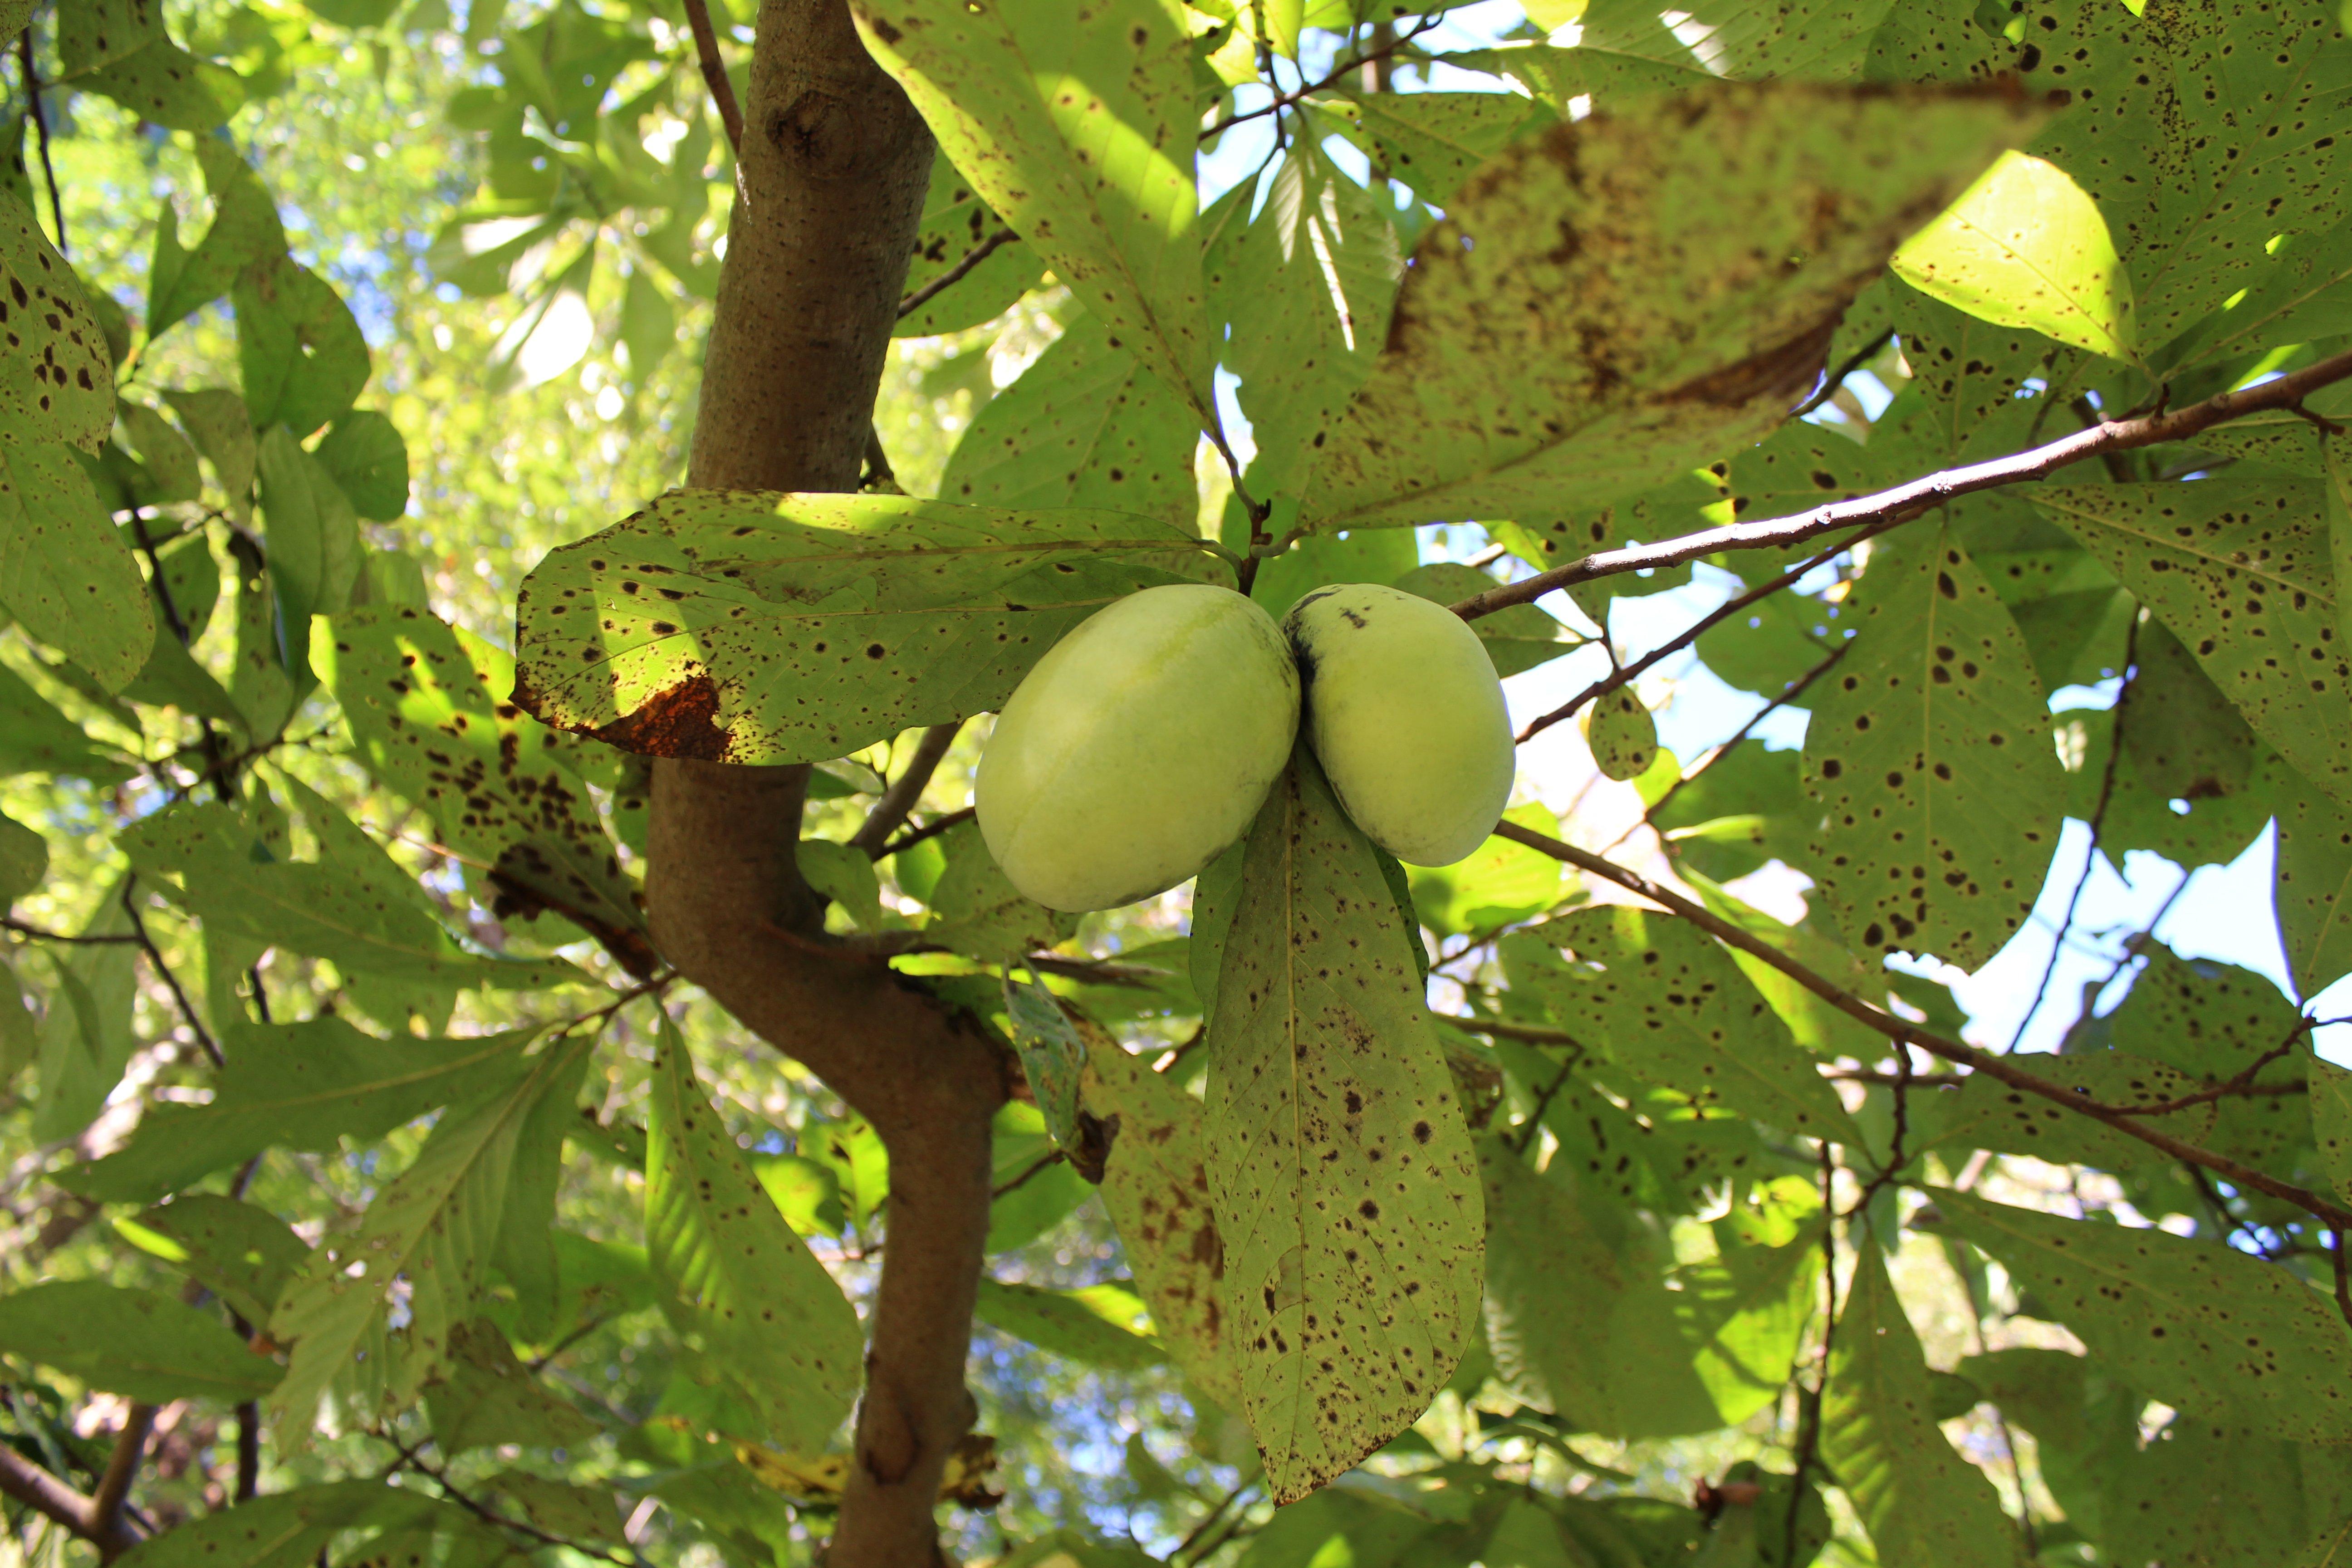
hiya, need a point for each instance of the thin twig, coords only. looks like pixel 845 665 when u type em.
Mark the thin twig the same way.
pixel 40 118
pixel 2003 1069
pixel 1795 690
pixel 41 933
pixel 956 274
pixel 1337 73
pixel 1543 1103
pixel 412 1460
pixel 1532 1033
pixel 1907 501
pixel 1051 1157
pixel 1853 361
pixel 2343 1283
pixel 1215 1513
pixel 164 971
pixel 1895 1161
pixel 714 72
pixel 906 790
pixel 931 829
pixel 121 1469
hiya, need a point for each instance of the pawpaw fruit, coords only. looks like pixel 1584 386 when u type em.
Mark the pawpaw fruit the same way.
pixel 1406 715
pixel 1139 748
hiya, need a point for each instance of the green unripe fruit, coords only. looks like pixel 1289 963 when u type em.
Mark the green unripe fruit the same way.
pixel 1139 748
pixel 1407 718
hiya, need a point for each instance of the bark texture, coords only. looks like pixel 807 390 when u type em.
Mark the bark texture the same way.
pixel 831 180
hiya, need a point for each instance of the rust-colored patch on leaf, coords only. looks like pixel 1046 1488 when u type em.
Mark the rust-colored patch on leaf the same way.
pixel 682 721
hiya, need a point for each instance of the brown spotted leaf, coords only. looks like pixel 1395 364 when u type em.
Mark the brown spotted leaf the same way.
pixel 1638 292
pixel 1343 1176
pixel 57 381
pixel 2202 1327
pixel 748 626
pixel 1929 753
pixel 425 703
pixel 2239 570
pixel 1156 1187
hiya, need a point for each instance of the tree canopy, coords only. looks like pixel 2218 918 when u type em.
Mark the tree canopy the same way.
pixel 515 519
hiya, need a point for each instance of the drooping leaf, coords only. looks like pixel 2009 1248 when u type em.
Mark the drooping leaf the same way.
pixel 1929 753
pixel 1156 1187
pixel 1336 1147
pixel 427 704
pixel 243 1254
pixel 244 229
pixel 135 1343
pixel 2238 571
pixel 2203 1327
pixel 1676 1013
pixel 957 223
pixel 1090 1326
pixel 559 1507
pixel 1079 130
pixel 55 383
pixel 216 418
pixel 312 534
pixel 431 1228
pixel 746 1282
pixel 751 627
pixel 63 572
pixel 1476 409
pixel 1086 426
pixel 1809 40
pixel 2024 246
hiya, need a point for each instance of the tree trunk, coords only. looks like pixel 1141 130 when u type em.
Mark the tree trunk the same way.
pixel 831 180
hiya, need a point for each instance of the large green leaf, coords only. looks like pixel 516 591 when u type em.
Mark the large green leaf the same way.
pixel 1678 1014
pixel 1086 426
pixel 135 1343
pixel 1078 127
pixel 2239 570
pixel 300 1086
pixel 427 704
pixel 64 573
pixel 1929 753
pixel 2204 1327
pixel 744 626
pixel 1156 1187
pixel 749 1285
pixel 315 907
pixel 1304 289
pixel 2207 1490
pixel 57 382
pixel 241 1252
pixel 300 347
pixel 1344 1177
pixel 2023 247
pixel 1924 1505
pixel 1614 301
pixel 284 1530
pixel 432 1228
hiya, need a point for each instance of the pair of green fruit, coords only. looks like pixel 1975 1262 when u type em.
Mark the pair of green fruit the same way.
pixel 1142 745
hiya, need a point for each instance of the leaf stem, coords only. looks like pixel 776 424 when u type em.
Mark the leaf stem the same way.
pixel 714 72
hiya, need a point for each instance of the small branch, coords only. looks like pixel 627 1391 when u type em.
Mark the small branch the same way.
pixel 41 131
pixel 906 790
pixel 1907 501
pixel 931 829
pixel 122 1468
pixel 411 1458
pixel 170 981
pixel 1895 1161
pixel 956 274
pixel 1379 51
pixel 1795 690
pixel 2004 1069
pixel 1051 1157
pixel 55 1500
pixel 1626 674
pixel 1853 361
pixel 714 72
pixel 1543 1103
pixel 248 1451
pixel 2342 1281
pixel 1209 1520
pixel 39 933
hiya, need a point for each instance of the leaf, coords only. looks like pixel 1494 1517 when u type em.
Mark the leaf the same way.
pixel 2203 1327
pixel 310 908
pixel 426 703
pixel 976 911
pixel 165 85
pixel 559 1507
pixel 1924 1505
pixel 244 229
pixel 1517 638
pixel 283 1529
pixel 1079 132
pixel 1433 141
pixel 1813 40
pixel 24 860
pixel 244 1254
pixel 1352 1259
pixel 431 1228
pixel 1623 737
pixel 1502 881
pixel 135 1343
pixel 957 222
pixel 1365 555
pixel 1304 291
pixel 1678 1014
pixel 483 1394
pixel 2238 570
pixel 312 535
pixel 1088 1326
pixel 88 1039
pixel 163 451
pixel 2208 1491
pixel 1929 753
pixel 55 383
pixel 216 417
pixel 752 627
pixel 2087 1423
pixel 2024 246
pixel 648 325
pixel 748 1284
pixel 844 875
pixel 1052 1054
pixel 1475 410
pixel 2331 1120
pixel 1156 1187
pixel 300 347
pixel 35 738
pixel 1086 426
pixel 365 456
pixel 68 577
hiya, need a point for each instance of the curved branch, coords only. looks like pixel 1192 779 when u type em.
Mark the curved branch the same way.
pixel 2001 1068
pixel 906 790
pixel 1907 501
pixel 61 1504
